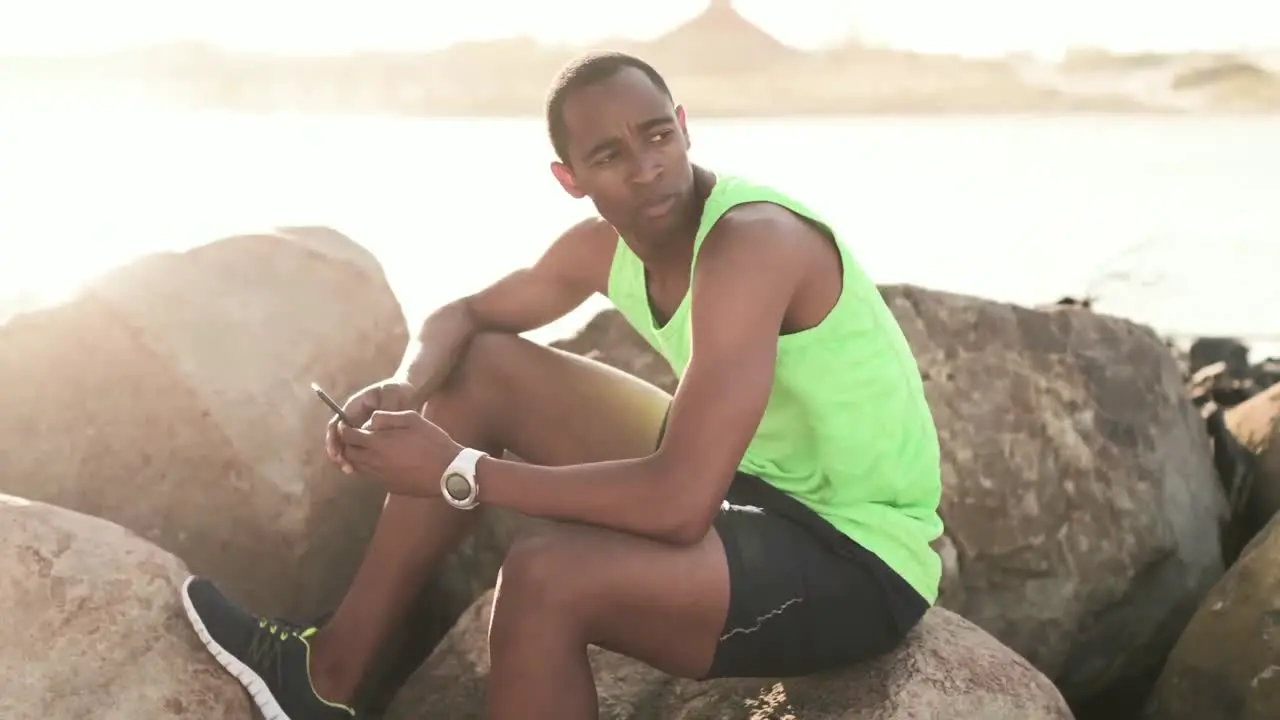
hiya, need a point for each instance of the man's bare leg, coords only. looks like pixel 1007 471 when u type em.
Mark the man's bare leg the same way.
pixel 572 586
pixel 546 406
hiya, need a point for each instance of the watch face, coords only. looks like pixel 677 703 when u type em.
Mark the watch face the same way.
pixel 458 487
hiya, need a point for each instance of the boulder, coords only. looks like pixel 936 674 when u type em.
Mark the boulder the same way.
pixel 1255 424
pixel 1267 372
pixel 171 396
pixel 1219 372
pixel 1079 493
pixel 947 668
pixel 1226 665
pixel 1207 351
pixel 93 625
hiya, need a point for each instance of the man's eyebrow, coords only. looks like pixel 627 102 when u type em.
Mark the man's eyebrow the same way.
pixel 613 142
pixel 652 123
pixel 606 144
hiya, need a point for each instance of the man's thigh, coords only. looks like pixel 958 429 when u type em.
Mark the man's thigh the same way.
pixel 798 605
pixel 551 407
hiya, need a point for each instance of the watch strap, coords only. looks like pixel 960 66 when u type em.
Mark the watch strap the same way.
pixel 466 461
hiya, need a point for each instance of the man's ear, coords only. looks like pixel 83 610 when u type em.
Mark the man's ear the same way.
pixel 565 177
pixel 684 126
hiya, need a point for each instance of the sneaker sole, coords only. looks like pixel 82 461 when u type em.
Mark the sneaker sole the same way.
pixel 255 685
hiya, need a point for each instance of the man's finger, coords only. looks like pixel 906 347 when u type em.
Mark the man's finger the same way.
pixel 353 438
pixel 352 462
pixel 358 456
pixel 331 443
pixel 382 420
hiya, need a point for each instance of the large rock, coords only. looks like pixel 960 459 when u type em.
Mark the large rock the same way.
pixel 93 627
pixel 1079 496
pixel 1255 424
pixel 1231 352
pixel 947 668
pixel 1082 508
pixel 1226 665
pixel 1218 370
pixel 172 397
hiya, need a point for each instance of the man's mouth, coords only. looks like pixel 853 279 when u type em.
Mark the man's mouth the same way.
pixel 658 208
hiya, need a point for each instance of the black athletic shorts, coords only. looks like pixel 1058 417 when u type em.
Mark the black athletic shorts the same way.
pixel 803 597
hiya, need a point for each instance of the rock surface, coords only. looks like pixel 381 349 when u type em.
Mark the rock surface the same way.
pixel 1219 372
pixel 948 668
pixel 1255 424
pixel 172 397
pixel 1226 665
pixel 1079 490
pixel 92 625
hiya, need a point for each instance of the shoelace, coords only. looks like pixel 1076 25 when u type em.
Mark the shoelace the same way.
pixel 266 648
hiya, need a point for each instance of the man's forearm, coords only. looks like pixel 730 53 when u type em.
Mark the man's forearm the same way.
pixel 435 349
pixel 634 496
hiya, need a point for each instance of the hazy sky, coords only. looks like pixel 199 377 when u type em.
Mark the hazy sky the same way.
pixel 944 25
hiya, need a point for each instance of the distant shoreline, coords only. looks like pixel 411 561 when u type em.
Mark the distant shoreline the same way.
pixel 719 65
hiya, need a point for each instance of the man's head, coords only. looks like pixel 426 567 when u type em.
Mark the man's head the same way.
pixel 622 142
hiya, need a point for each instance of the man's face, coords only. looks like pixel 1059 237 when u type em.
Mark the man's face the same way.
pixel 628 152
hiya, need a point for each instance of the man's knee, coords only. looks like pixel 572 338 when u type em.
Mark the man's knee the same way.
pixel 537 592
pixel 487 360
pixel 538 572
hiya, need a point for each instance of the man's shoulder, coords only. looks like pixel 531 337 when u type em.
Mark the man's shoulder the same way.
pixel 761 226
pixel 585 251
pixel 590 232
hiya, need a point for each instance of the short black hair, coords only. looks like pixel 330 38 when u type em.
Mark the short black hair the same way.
pixel 586 70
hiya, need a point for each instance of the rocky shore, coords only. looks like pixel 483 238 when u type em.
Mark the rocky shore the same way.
pixel 1111 549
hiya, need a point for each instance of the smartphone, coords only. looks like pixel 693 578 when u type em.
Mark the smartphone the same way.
pixel 337 409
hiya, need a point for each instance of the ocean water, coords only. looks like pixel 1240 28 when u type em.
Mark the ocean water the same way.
pixel 1174 222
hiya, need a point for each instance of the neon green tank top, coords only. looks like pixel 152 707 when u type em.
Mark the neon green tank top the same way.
pixel 847 430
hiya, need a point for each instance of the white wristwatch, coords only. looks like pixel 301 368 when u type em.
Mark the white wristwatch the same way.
pixel 458 483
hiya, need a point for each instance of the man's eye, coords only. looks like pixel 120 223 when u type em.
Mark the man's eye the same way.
pixel 660 136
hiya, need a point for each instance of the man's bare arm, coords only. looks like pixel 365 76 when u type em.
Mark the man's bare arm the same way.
pixel 573 268
pixel 746 277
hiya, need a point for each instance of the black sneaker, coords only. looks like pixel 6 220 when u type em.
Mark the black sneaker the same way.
pixel 269 657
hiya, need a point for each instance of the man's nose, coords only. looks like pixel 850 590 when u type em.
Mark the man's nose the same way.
pixel 647 168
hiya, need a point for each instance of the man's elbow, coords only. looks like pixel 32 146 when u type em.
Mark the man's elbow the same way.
pixel 692 493
pixel 693 520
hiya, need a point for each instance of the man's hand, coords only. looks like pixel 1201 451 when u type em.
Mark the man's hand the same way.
pixel 388 396
pixel 405 451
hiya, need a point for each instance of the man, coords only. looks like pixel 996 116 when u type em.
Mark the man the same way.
pixel 772 519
